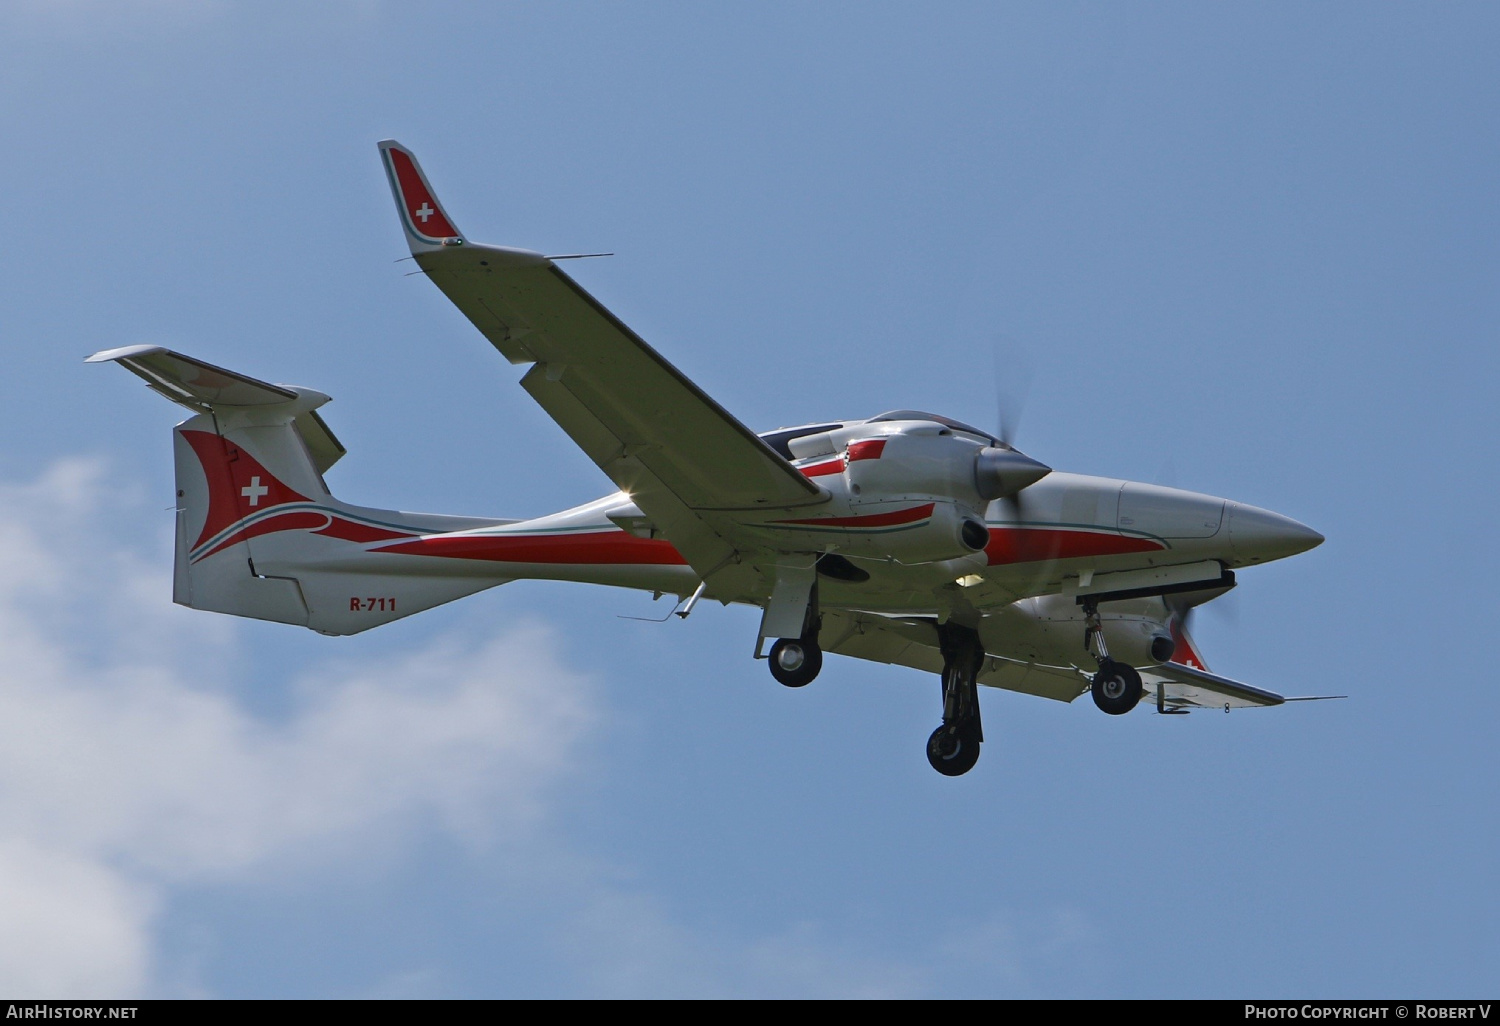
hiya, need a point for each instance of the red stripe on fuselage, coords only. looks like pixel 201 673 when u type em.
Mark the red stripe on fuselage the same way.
pixel 1035 544
pixel 904 516
pixel 349 530
pixel 869 449
pixel 596 548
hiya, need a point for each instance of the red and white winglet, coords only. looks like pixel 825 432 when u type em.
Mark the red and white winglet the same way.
pixel 427 224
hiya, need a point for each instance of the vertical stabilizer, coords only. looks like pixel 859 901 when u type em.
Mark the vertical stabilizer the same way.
pixel 258 533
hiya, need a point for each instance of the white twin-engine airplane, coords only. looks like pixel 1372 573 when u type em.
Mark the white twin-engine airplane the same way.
pixel 906 538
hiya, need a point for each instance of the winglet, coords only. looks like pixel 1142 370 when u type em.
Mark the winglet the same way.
pixel 427 224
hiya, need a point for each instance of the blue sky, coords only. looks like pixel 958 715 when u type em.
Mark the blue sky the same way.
pixel 1251 252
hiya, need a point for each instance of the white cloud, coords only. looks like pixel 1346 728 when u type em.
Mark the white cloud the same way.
pixel 127 767
pixel 69 925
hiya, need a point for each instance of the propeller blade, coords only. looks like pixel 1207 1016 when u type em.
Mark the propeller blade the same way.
pixel 1014 370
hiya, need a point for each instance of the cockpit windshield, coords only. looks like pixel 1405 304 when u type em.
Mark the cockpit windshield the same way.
pixel 948 422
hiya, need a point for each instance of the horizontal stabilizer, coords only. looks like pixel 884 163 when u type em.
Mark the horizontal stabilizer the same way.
pixel 193 383
pixel 202 388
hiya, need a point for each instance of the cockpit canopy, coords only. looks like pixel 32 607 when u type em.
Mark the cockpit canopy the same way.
pixel 947 422
pixel 781 437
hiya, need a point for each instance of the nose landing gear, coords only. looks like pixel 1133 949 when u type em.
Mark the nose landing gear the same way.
pixel 953 748
pixel 1117 686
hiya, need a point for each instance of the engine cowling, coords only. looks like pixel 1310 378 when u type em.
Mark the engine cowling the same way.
pixel 917 490
pixel 929 460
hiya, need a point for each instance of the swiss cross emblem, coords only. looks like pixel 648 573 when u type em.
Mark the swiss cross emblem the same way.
pixel 255 491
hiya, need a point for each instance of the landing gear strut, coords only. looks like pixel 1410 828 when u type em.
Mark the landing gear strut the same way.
pixel 954 747
pixel 796 661
pixel 1117 686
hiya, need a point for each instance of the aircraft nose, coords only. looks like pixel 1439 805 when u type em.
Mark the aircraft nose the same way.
pixel 1258 535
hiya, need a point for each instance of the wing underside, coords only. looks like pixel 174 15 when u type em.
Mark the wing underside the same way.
pixel 1186 687
pixel 914 642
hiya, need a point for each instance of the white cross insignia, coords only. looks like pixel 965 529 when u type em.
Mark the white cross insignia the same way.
pixel 424 212
pixel 254 491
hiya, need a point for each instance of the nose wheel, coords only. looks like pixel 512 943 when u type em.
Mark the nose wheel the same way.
pixel 953 748
pixel 1116 687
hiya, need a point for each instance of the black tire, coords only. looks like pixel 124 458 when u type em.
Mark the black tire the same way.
pixel 952 752
pixel 803 669
pixel 1116 688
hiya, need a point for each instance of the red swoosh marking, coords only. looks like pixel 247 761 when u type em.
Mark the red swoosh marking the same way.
pixel 596 548
pixel 349 530
pixel 1035 544
pixel 903 516
pixel 230 472
pixel 295 521
pixel 824 469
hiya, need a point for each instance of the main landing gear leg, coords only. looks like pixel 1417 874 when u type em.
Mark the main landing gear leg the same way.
pixel 796 661
pixel 1117 686
pixel 954 747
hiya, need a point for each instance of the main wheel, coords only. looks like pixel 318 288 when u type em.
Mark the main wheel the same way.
pixel 795 662
pixel 952 752
pixel 1116 687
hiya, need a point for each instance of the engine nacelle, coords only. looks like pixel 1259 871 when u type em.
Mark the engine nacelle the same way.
pixel 917 489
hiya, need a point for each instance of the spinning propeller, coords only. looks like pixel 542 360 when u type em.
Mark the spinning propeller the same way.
pixel 1003 472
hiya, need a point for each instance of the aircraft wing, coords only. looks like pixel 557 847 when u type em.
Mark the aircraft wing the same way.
pixel 910 641
pixel 1187 687
pixel 680 455
pixel 914 642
